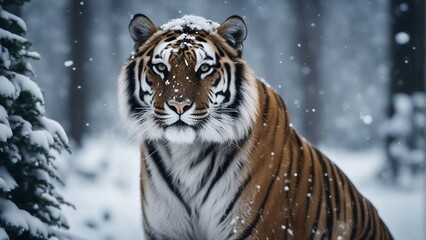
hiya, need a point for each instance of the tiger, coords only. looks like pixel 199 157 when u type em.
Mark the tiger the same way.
pixel 219 156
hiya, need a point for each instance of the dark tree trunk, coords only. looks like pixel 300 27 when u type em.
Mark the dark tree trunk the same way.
pixel 407 58
pixel 407 70
pixel 79 20
pixel 308 14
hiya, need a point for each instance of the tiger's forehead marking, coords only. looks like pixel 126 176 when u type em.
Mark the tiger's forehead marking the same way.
pixel 190 43
pixel 186 44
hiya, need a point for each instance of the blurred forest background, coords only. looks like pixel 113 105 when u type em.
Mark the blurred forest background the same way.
pixel 351 72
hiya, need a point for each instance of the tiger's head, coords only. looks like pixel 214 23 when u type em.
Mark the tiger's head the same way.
pixel 186 81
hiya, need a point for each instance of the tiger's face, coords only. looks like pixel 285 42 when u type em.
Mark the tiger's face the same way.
pixel 187 81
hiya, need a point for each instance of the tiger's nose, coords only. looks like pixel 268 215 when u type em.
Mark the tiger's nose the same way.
pixel 179 106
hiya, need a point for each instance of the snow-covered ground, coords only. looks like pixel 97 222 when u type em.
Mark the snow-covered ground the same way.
pixel 104 188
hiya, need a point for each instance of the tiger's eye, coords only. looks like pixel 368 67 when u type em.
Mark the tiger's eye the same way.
pixel 161 67
pixel 205 68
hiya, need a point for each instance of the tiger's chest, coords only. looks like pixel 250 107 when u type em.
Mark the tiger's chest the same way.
pixel 189 190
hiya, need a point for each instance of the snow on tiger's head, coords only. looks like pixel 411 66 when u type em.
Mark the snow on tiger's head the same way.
pixel 192 22
pixel 187 82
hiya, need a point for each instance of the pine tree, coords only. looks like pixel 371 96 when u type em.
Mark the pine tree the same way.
pixel 30 206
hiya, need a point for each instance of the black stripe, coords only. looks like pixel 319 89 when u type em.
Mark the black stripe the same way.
pixel 287 184
pixel 280 101
pixel 299 142
pixel 201 113
pixel 148 230
pixel 217 59
pixel 291 161
pixel 142 93
pixel 131 87
pixel 227 93
pixel 224 167
pixel 140 69
pixel 168 150
pixel 208 57
pixel 200 39
pixel 171 33
pixel 158 112
pixel 139 77
pixel 239 68
pixel 169 39
pixel 216 81
pixel 202 156
pixel 327 194
pixel 253 224
pixel 149 82
pixel 368 230
pixel 336 196
pixel 207 173
pixel 343 184
pixel 353 200
pixel 363 213
pixel 374 222
pixel 266 104
pixel 220 172
pixel 235 198
pixel 155 156
pixel 151 51
pixel 317 214
pixel 300 159
pixel 221 53
pixel 148 171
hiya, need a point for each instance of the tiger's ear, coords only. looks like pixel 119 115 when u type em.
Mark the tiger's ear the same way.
pixel 141 28
pixel 234 31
